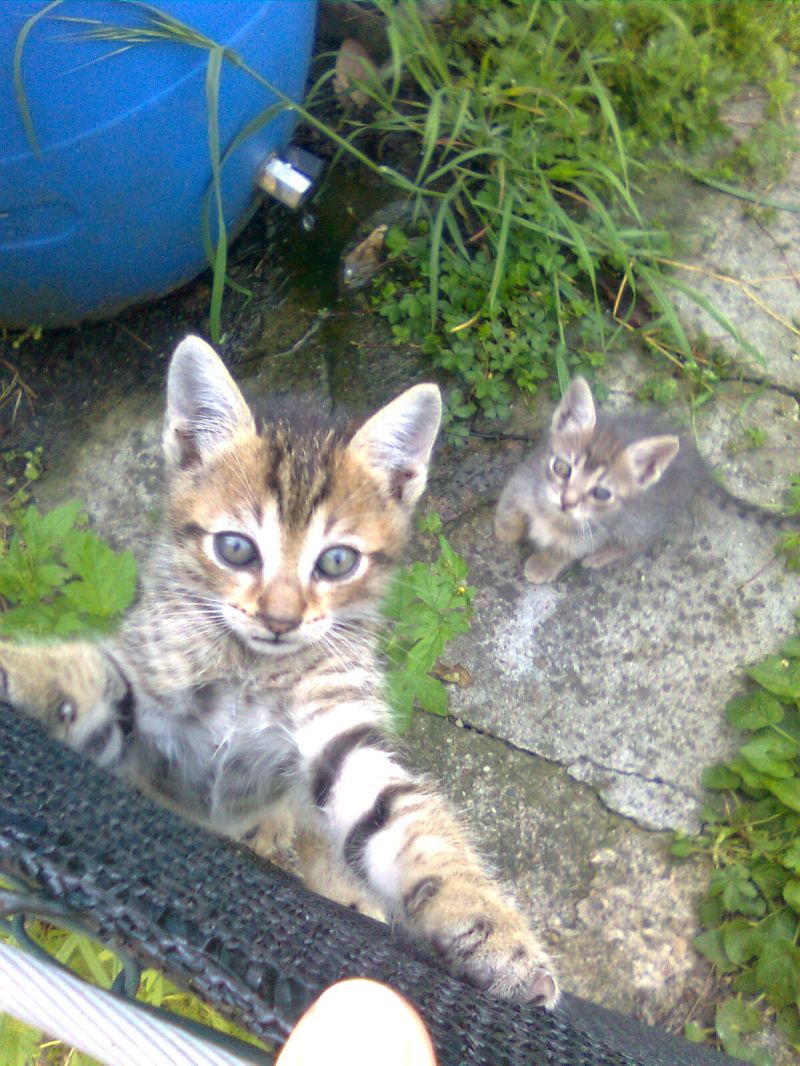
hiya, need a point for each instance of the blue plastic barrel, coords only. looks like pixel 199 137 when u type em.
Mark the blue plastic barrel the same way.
pixel 109 211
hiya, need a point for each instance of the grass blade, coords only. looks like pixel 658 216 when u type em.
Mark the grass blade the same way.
pixel 458 123
pixel 716 314
pixel 500 251
pixel 431 133
pixel 459 161
pixel 220 262
pixel 653 281
pixel 436 246
pixel 609 114
pixel 19 86
pixel 737 192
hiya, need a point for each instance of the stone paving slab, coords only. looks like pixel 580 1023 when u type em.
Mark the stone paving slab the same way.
pixel 741 256
pixel 622 675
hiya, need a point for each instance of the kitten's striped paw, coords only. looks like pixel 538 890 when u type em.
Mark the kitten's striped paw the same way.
pixel 481 936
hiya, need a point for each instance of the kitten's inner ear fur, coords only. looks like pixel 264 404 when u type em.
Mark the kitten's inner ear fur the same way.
pixel 397 441
pixel 575 413
pixel 205 408
pixel 649 458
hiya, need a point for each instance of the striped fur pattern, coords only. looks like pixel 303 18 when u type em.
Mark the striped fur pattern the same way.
pixel 244 690
pixel 603 487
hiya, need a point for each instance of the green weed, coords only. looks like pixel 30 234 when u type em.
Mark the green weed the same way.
pixel 427 605
pixel 18 471
pixel 659 390
pixel 789 546
pixel 58 577
pixel 751 831
pixel 533 124
pixel 750 438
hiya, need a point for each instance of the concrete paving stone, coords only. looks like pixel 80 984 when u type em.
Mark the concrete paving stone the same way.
pixel 622 674
pixel 742 257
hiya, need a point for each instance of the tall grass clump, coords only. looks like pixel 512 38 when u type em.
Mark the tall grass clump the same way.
pixel 532 126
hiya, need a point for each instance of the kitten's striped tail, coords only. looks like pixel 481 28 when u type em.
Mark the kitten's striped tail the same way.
pixel 753 512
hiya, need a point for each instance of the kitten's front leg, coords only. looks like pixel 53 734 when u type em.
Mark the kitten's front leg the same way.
pixel 323 871
pixel 510 523
pixel 74 690
pixel 545 566
pixel 406 846
pixel 603 557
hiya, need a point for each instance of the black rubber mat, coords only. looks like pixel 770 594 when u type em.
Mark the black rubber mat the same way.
pixel 248 938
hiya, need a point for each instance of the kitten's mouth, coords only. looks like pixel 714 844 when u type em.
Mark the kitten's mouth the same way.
pixel 273 645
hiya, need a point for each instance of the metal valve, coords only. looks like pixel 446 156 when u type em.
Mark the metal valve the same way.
pixel 289 178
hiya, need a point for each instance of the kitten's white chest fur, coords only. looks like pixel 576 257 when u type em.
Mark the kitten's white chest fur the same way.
pixel 222 750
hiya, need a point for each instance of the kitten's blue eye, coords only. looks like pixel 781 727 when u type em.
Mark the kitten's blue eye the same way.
pixel 561 468
pixel 600 492
pixel 236 550
pixel 337 562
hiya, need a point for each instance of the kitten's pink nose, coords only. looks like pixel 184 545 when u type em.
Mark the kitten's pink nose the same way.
pixel 568 502
pixel 279 626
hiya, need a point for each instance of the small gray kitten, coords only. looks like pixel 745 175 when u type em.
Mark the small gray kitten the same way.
pixel 602 487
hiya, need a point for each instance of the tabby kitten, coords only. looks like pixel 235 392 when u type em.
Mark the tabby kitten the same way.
pixel 603 487
pixel 245 683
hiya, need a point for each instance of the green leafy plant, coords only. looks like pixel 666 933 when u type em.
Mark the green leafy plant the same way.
pixel 751 831
pixel 18 471
pixel 427 605
pixel 658 390
pixel 58 577
pixel 750 439
pixel 789 546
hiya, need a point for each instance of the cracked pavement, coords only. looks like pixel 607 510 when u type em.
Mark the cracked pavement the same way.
pixel 596 702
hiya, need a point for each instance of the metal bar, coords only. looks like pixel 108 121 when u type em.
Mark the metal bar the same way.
pixel 112 1030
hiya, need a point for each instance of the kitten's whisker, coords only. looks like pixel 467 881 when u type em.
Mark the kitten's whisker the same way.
pixel 587 533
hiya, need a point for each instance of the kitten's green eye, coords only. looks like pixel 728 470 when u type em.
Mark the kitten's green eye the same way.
pixel 236 550
pixel 561 468
pixel 600 492
pixel 337 562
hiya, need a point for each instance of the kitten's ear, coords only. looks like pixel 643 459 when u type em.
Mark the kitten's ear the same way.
pixel 204 405
pixel 576 412
pixel 398 440
pixel 649 458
